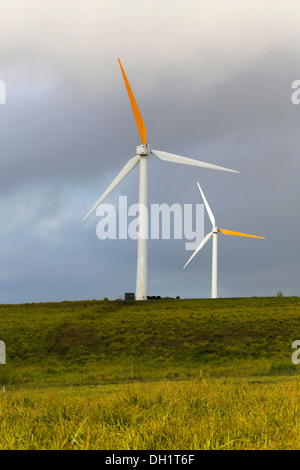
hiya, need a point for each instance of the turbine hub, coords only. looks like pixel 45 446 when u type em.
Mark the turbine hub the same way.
pixel 143 150
pixel 215 230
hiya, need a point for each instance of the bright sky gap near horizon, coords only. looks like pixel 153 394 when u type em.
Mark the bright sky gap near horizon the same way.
pixel 212 82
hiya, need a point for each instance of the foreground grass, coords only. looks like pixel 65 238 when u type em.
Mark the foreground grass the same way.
pixel 207 374
pixel 189 415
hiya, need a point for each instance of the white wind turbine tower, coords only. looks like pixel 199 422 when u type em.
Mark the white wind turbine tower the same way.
pixel 214 234
pixel 143 151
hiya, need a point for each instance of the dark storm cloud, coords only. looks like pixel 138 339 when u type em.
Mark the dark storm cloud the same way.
pixel 218 93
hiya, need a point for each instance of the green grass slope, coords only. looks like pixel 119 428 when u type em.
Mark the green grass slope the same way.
pixel 108 341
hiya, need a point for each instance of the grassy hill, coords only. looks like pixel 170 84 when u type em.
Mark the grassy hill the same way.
pixel 105 341
pixel 246 397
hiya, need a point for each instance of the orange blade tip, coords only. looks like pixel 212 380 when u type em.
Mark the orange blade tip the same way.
pixel 137 115
pixel 238 234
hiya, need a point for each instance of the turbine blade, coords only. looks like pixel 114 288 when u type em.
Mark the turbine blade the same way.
pixel 238 234
pixel 209 211
pixel 171 157
pixel 205 239
pixel 124 172
pixel 137 115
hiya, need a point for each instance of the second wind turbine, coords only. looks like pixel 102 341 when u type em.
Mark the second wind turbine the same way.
pixel 214 234
pixel 143 151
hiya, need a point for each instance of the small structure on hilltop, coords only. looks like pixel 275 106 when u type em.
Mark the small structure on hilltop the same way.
pixel 129 296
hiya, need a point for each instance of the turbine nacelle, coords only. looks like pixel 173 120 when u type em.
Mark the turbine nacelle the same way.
pixel 143 150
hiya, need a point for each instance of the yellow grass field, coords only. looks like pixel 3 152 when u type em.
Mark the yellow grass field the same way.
pixel 206 375
pixel 211 414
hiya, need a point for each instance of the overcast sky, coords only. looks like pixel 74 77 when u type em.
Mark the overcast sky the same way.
pixel 212 81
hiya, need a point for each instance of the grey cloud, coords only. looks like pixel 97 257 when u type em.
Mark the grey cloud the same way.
pixel 68 128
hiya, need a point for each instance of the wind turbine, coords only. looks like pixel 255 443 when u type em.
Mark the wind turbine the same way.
pixel 142 153
pixel 214 234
